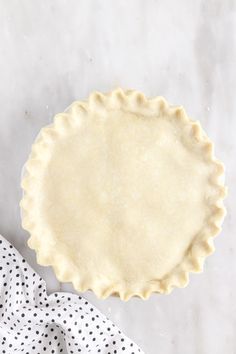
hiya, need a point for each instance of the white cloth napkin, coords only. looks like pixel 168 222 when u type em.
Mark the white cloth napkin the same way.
pixel 32 322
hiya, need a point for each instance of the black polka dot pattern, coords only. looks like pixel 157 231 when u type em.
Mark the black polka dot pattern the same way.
pixel 32 322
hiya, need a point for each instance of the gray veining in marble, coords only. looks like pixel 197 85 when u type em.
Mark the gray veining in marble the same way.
pixel 53 52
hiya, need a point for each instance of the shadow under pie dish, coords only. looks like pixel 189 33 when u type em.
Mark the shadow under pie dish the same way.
pixel 123 195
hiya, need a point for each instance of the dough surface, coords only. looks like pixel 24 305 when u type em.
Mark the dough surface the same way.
pixel 125 195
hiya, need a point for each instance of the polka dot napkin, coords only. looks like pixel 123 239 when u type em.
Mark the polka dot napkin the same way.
pixel 32 322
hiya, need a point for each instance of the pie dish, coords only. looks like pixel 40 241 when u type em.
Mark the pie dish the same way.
pixel 123 195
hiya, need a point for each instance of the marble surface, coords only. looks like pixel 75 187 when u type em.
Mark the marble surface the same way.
pixel 53 52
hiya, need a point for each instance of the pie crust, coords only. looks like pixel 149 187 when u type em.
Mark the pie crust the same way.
pixel 123 195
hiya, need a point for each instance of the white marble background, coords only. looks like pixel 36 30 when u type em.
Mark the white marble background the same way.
pixel 55 51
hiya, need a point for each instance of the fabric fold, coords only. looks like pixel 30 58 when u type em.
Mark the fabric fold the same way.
pixel 33 322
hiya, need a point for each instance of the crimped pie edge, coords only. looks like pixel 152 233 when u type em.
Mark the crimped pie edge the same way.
pixel 132 101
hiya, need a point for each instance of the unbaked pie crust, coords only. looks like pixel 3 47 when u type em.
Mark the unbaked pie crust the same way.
pixel 123 195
